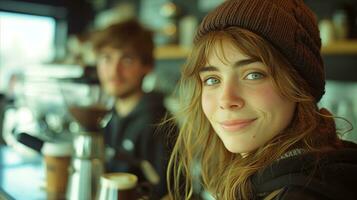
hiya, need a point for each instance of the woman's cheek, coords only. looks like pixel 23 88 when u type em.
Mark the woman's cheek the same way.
pixel 208 103
pixel 265 96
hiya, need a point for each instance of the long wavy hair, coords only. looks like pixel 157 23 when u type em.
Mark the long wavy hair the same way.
pixel 224 174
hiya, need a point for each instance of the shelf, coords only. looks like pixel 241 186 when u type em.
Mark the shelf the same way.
pixel 347 47
pixel 171 52
pixel 340 48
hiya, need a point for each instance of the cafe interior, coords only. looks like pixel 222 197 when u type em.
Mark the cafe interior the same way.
pixel 47 68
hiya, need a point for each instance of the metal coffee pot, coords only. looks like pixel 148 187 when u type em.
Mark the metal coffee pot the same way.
pixel 87 166
pixel 88 106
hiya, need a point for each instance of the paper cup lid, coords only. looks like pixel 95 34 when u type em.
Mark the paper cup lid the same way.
pixel 57 149
pixel 122 181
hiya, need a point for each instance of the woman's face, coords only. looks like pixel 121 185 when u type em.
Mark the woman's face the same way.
pixel 240 100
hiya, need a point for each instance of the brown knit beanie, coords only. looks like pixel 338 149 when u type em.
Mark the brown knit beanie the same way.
pixel 289 25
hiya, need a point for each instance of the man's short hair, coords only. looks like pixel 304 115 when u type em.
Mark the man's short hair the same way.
pixel 127 34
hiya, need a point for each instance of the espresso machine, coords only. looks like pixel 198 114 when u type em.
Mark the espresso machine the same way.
pixel 66 104
pixel 88 106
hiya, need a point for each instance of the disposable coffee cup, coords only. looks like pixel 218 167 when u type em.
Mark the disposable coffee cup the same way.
pixel 57 158
pixel 118 186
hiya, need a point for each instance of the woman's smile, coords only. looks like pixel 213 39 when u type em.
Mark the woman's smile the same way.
pixel 236 125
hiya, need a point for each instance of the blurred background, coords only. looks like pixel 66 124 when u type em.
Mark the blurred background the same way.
pixel 45 41
pixel 42 41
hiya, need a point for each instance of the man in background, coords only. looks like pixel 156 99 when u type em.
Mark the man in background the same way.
pixel 124 56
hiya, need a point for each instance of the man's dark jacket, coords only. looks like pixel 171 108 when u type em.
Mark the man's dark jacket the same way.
pixel 136 137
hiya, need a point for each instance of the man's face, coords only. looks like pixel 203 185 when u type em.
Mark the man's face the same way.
pixel 120 71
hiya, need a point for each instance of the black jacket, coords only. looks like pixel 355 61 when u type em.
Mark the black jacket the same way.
pixel 136 137
pixel 331 175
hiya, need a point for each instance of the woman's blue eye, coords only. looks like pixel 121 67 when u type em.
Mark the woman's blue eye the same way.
pixel 255 76
pixel 211 81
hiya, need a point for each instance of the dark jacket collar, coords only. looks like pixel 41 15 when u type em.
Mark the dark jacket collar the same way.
pixel 333 173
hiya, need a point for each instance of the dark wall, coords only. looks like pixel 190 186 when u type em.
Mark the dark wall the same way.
pixel 325 9
pixel 341 67
pixel 79 14
pixel 338 67
pixel 189 7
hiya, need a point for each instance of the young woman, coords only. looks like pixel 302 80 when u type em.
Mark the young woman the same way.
pixel 249 116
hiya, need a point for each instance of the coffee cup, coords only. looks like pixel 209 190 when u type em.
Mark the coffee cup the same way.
pixel 57 158
pixel 118 186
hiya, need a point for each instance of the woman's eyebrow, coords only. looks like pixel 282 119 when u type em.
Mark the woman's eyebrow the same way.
pixel 239 63
pixel 244 62
pixel 208 69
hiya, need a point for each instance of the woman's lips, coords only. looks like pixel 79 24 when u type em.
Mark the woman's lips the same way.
pixel 236 125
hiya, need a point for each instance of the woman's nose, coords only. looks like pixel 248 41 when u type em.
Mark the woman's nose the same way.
pixel 230 97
